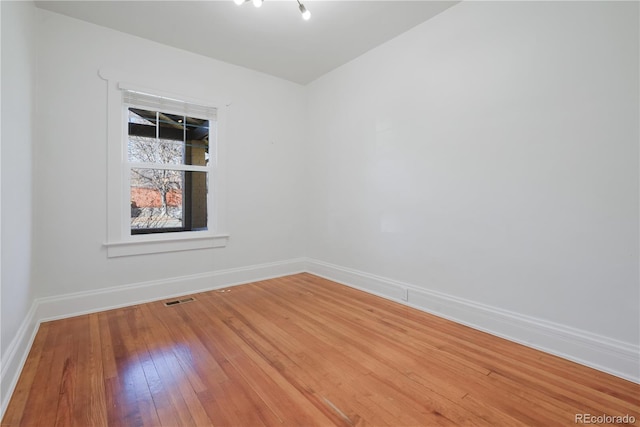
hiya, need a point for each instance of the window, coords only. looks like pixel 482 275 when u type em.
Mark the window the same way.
pixel 168 166
pixel 165 181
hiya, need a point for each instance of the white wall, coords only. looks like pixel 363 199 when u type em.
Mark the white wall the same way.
pixel 490 154
pixel 264 143
pixel 18 76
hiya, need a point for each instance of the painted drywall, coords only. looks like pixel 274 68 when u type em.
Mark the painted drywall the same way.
pixel 263 149
pixel 18 76
pixel 490 154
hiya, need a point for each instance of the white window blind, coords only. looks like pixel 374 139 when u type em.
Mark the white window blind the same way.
pixel 154 102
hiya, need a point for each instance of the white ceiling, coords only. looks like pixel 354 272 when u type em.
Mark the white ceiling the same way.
pixel 273 39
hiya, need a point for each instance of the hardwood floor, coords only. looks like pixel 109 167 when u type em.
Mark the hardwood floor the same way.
pixel 297 351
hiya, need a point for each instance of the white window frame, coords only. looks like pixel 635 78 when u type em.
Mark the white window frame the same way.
pixel 120 242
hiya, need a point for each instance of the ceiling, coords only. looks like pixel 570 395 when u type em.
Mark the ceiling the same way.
pixel 273 39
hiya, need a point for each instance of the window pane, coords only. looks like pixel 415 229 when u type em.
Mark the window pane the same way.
pixel 157 137
pixel 142 117
pixel 152 150
pixel 168 200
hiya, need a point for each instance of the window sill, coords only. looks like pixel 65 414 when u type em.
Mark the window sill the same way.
pixel 152 244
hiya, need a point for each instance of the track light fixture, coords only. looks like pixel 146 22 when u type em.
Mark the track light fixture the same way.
pixel 257 3
pixel 303 10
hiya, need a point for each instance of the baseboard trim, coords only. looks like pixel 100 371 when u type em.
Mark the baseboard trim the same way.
pixel 79 303
pixel 76 304
pixel 604 354
pixel 15 357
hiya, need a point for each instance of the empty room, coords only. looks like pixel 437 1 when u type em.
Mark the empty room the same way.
pixel 320 213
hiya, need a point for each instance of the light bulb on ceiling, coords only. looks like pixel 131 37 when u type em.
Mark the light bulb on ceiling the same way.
pixel 257 3
pixel 305 13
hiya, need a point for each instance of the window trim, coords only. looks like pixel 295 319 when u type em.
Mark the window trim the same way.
pixel 120 242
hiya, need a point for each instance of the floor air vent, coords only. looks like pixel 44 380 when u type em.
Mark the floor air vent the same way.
pixel 179 301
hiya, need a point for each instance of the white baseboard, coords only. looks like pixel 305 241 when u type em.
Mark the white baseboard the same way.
pixel 75 304
pixel 15 356
pixel 604 354
pixel 62 306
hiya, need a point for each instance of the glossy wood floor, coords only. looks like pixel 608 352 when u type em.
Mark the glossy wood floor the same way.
pixel 297 351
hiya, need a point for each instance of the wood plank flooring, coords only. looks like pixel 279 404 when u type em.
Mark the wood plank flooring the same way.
pixel 297 351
